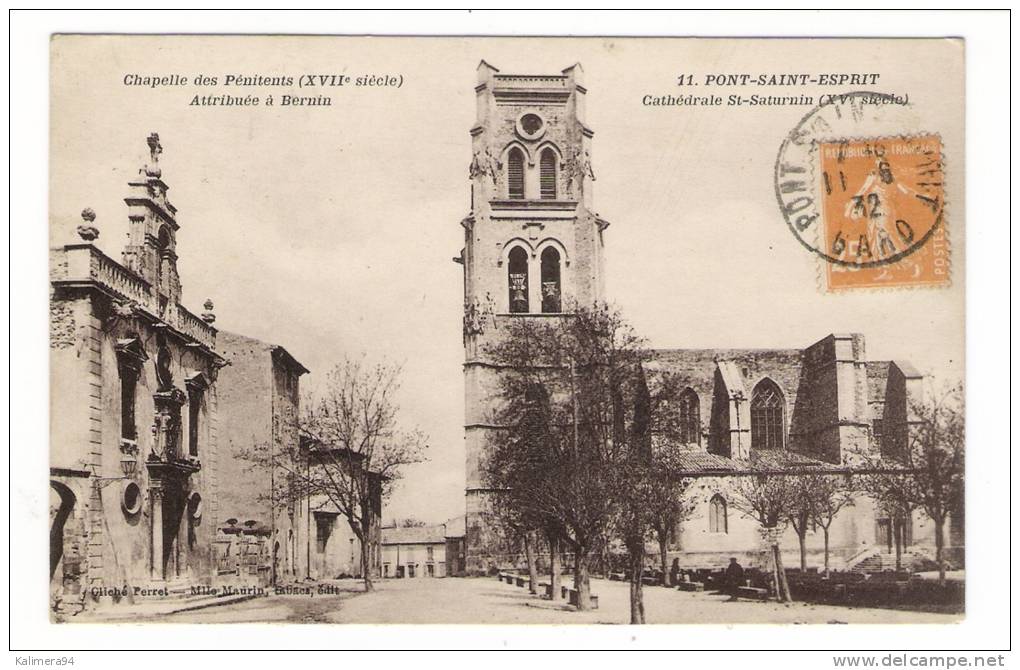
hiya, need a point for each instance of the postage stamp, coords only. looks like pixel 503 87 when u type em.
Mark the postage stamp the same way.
pixel 882 212
pixel 868 200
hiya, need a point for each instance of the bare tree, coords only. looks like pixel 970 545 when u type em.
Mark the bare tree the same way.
pixel 517 530
pixel 829 495
pixel 567 393
pixel 670 505
pixel 799 515
pixel 669 501
pixel 768 498
pixel 352 453
pixel 922 466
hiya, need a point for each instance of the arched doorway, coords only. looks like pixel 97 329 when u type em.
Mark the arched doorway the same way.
pixel 64 561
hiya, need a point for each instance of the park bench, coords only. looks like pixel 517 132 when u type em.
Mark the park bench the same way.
pixel 690 586
pixel 570 595
pixel 522 581
pixel 753 593
pixel 617 576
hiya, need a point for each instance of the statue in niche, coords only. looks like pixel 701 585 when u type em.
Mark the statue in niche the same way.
pixel 485 164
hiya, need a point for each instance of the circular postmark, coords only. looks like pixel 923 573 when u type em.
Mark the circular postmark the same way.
pixel 858 184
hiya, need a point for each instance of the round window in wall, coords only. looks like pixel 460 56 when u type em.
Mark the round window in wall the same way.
pixel 131 499
pixel 530 126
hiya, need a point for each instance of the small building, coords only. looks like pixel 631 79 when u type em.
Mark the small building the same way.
pixel 424 551
pixel 328 546
pixel 417 551
pixel 133 421
pixel 259 421
pixel 456 548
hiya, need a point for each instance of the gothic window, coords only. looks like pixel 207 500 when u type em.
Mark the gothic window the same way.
pixel 690 417
pixel 515 174
pixel 550 281
pixel 717 518
pixel 517 277
pixel 767 408
pixel 547 174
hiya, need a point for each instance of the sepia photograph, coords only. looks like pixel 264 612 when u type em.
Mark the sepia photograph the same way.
pixel 350 332
pixel 700 331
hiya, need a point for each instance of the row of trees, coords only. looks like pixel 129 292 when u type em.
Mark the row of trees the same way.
pixel 576 459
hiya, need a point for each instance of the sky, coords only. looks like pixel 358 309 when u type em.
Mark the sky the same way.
pixel 330 230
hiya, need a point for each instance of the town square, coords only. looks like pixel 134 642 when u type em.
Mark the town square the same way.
pixel 336 427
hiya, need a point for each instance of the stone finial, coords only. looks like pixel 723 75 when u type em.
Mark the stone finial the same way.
pixel 86 230
pixel 208 315
pixel 155 149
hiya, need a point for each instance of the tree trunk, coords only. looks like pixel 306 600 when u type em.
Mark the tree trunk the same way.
pixel 775 578
pixel 554 567
pixel 366 553
pixel 529 553
pixel 899 548
pixel 802 540
pixel 825 535
pixel 581 583
pixel 664 560
pixel 637 572
pixel 784 587
pixel 939 545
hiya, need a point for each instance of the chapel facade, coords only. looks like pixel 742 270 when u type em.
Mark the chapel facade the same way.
pixel 134 397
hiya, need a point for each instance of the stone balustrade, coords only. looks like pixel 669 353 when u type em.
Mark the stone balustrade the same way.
pixel 85 263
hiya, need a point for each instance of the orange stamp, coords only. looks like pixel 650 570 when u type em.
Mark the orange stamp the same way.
pixel 882 208
pixel 865 196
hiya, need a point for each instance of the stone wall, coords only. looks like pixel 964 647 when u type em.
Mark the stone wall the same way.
pixel 111 523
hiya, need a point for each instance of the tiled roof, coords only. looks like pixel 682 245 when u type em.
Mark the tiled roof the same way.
pixel 703 462
pixel 782 458
pixel 414 535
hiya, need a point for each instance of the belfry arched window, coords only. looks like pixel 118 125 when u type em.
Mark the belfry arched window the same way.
pixel 163 253
pixel 718 522
pixel 689 418
pixel 551 281
pixel 767 421
pixel 547 175
pixel 517 279
pixel 515 174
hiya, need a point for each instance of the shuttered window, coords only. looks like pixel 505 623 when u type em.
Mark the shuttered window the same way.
pixel 547 174
pixel 515 174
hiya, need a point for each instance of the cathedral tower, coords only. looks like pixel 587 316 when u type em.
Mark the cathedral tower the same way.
pixel 532 244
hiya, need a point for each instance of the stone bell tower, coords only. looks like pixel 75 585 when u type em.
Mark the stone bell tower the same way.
pixel 152 234
pixel 532 244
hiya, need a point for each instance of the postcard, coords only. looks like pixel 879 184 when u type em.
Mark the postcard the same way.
pixel 506 330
